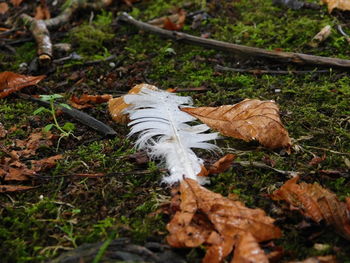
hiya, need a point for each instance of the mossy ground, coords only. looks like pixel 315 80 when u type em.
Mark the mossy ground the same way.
pixel 66 211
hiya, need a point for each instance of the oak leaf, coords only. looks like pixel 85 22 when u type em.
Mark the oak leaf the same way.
pixel 316 202
pixel 247 120
pixel 338 4
pixel 205 217
pixel 86 101
pixel 116 106
pixel 11 82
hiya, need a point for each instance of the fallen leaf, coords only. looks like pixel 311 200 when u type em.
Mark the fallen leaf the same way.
pixel 207 218
pixel 11 82
pixel 116 106
pixel 3 8
pixel 34 141
pixel 14 188
pixel 173 22
pixel 46 163
pixel 222 164
pixel 316 202
pixel 316 160
pixel 42 12
pixel 247 120
pixel 85 100
pixel 16 3
pixel 3 131
pixel 338 4
pixel 248 250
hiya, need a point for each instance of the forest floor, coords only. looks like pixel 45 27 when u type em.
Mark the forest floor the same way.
pixel 66 211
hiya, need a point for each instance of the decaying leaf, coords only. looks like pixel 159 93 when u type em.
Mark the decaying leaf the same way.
pixel 248 250
pixel 116 106
pixel 14 188
pixel 173 22
pixel 316 202
pixel 11 82
pixel 247 120
pixel 86 101
pixel 338 4
pixel 46 163
pixel 207 218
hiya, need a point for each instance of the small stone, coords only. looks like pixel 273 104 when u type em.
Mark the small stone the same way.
pixel 112 64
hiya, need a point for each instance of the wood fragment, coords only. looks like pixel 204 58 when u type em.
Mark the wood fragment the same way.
pixel 285 57
pixel 80 116
pixel 267 71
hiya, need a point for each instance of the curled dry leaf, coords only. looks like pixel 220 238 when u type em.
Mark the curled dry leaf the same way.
pixel 248 250
pixel 316 202
pixel 247 120
pixel 222 164
pixel 86 101
pixel 338 4
pixel 14 188
pixel 205 217
pixel 11 82
pixel 116 106
pixel 173 22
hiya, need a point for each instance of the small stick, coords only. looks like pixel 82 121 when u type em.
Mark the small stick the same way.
pixel 80 116
pixel 264 166
pixel 265 71
pixel 286 57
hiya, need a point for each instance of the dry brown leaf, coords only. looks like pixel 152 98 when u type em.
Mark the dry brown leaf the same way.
pixel 14 188
pixel 247 120
pixel 173 22
pixel 46 163
pixel 317 203
pixel 3 131
pixel 317 160
pixel 85 100
pixel 11 82
pixel 116 106
pixel 16 3
pixel 4 7
pixel 42 13
pixel 222 164
pixel 338 4
pixel 248 250
pixel 208 218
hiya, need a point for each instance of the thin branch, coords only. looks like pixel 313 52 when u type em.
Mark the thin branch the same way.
pixel 286 57
pixel 266 71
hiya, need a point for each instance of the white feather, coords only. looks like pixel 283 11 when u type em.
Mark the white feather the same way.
pixel 164 133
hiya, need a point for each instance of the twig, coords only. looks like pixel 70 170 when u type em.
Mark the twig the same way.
pixel 40 28
pixel 289 57
pixel 266 71
pixel 80 116
pixel 341 31
pixel 264 166
pixel 325 149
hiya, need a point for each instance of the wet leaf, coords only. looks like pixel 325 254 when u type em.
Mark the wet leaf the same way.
pixel 14 188
pixel 247 120
pixel 316 202
pixel 116 106
pixel 248 250
pixel 11 82
pixel 338 4
pixel 87 101
pixel 207 218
